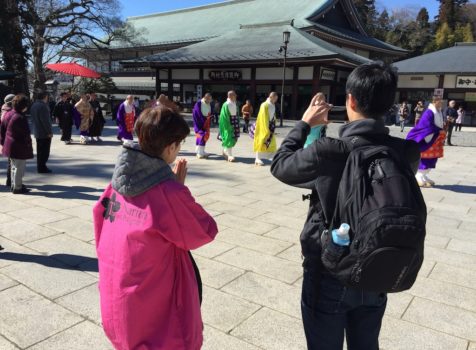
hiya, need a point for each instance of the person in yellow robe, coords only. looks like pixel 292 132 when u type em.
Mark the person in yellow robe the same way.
pixel 264 137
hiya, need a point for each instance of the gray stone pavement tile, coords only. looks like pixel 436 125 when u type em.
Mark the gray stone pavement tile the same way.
pixel 38 215
pixel 436 241
pixel 280 269
pixel 397 304
pixel 28 318
pixel 472 346
pixel 449 257
pixel 462 246
pixel 85 335
pixel 235 191
pixel 436 221
pixel 293 253
pixel 223 197
pixel 237 223
pixel 468 226
pixel 84 212
pixel 284 234
pixel 214 248
pixel 284 220
pixel 23 232
pixel 240 211
pixel 276 207
pixel 52 203
pixel 84 302
pixel 272 330
pixel 443 318
pixel 444 292
pixel 458 233
pixel 64 248
pixel 74 227
pixel 224 311
pixel 402 335
pixel 451 209
pixel 6 282
pixel 465 277
pixel 252 241
pixel 6 345
pixel 4 218
pixel 265 291
pixel 214 339
pixel 453 215
pixel 273 198
pixel 9 204
pixel 216 274
pixel 48 277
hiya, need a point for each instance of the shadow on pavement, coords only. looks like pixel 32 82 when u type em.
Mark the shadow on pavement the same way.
pixel 219 157
pixel 83 263
pixel 458 188
pixel 66 192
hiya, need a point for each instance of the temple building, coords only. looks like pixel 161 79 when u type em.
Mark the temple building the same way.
pixel 238 45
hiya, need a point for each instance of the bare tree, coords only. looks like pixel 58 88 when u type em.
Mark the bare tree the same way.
pixel 52 26
pixel 13 57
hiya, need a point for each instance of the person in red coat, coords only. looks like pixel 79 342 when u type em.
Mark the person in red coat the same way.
pixel 17 144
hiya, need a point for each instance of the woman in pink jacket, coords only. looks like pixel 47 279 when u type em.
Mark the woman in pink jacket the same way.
pixel 146 223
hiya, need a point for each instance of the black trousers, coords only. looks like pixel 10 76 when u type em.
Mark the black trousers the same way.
pixel 43 147
pixel 9 173
pixel 450 132
pixel 66 131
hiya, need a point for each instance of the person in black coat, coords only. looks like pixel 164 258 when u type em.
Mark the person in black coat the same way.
pixel 329 309
pixel 63 113
pixel 97 125
pixel 17 144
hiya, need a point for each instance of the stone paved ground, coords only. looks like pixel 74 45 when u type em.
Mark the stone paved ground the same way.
pixel 252 272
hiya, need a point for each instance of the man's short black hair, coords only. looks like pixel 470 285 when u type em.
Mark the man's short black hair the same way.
pixel 374 87
pixel 41 95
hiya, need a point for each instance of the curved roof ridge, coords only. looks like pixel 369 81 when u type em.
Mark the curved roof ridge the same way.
pixel 188 9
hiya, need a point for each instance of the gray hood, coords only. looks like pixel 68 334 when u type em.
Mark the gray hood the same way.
pixel 136 172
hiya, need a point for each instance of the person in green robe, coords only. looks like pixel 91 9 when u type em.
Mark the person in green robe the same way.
pixel 229 126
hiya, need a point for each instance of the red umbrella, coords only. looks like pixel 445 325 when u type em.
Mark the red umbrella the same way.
pixel 73 69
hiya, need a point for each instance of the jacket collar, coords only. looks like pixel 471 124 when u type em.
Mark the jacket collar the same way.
pixel 370 127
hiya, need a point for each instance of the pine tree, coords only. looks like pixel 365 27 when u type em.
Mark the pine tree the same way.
pixel 423 18
pixel 367 13
pixel 450 12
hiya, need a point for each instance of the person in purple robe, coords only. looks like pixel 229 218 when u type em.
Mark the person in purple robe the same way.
pixel 430 134
pixel 202 116
pixel 126 118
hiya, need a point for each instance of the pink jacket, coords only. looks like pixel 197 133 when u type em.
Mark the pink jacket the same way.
pixel 147 284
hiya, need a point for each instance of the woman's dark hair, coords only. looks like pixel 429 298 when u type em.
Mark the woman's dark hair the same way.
pixel 374 87
pixel 20 102
pixel 160 127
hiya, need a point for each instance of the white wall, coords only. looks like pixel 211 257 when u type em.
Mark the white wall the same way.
pixel 450 81
pixel 428 82
pixel 185 74
pixel 306 73
pixel 273 74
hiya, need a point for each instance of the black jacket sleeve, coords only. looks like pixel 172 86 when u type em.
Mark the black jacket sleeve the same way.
pixel 293 164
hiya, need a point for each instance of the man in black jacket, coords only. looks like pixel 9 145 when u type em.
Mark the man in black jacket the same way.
pixel 63 113
pixel 328 307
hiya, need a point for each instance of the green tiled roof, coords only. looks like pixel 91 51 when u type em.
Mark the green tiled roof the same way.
pixel 217 19
pixel 459 59
pixel 255 43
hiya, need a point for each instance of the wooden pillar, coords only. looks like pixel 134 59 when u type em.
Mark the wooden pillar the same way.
pixel 170 92
pixel 253 86
pixel 295 91
pixel 441 81
pixel 157 81
pixel 316 79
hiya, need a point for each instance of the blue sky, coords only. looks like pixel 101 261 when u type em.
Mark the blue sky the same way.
pixel 143 7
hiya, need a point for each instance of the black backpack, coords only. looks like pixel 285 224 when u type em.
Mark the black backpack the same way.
pixel 380 199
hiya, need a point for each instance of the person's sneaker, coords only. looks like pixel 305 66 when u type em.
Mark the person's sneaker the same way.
pixel 259 162
pixel 45 171
pixel 23 190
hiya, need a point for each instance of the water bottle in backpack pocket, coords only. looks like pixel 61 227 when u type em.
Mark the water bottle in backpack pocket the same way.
pixel 338 245
pixel 379 197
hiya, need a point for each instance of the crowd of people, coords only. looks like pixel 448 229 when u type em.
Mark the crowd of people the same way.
pixel 147 222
